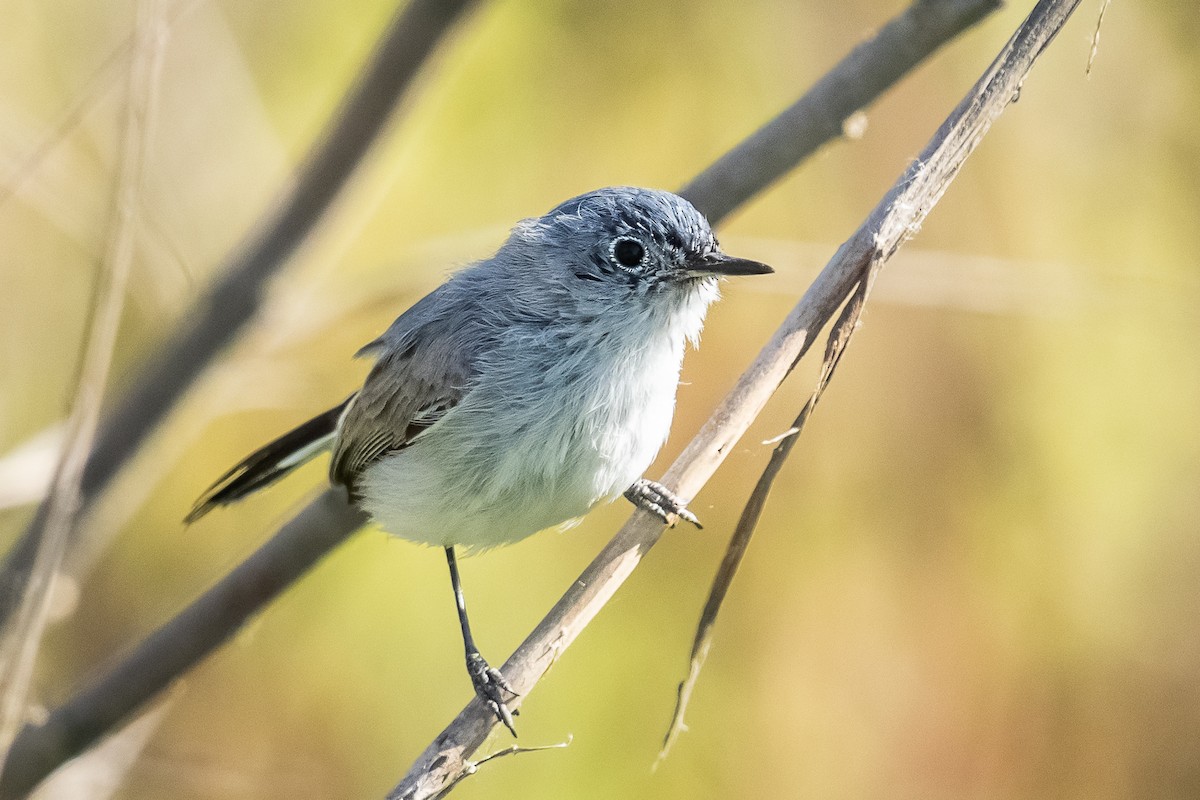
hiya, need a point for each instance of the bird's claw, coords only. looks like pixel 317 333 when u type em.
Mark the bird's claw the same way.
pixel 660 501
pixel 490 685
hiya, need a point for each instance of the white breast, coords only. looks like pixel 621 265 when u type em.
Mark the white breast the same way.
pixel 554 425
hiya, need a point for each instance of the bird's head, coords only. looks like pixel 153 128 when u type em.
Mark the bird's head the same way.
pixel 629 242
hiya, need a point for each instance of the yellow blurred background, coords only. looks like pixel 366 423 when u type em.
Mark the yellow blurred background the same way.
pixel 979 576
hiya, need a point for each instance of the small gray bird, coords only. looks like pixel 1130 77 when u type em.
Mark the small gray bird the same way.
pixel 522 391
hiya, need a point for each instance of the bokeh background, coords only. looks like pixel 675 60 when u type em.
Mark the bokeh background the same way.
pixel 979 576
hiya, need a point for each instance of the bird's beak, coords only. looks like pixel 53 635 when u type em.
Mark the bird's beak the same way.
pixel 719 263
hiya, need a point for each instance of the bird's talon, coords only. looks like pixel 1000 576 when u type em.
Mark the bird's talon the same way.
pixel 497 678
pixel 661 502
pixel 490 685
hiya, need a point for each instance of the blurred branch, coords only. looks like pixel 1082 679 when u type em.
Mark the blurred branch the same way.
pixel 100 773
pixel 22 639
pixel 173 649
pixel 27 470
pixel 233 300
pixel 821 113
pixel 896 218
pixel 329 520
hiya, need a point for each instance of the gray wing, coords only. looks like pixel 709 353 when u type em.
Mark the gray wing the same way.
pixel 423 370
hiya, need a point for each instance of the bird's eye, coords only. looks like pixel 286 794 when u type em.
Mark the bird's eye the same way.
pixel 628 252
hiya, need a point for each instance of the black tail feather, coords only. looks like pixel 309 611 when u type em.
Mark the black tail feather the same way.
pixel 270 462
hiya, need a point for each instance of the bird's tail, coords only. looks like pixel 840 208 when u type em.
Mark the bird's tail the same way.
pixel 271 462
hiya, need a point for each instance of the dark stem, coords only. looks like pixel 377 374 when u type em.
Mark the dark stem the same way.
pixel 176 647
pixel 817 117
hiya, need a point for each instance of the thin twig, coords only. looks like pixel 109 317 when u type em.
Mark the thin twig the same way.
pixel 897 217
pixel 472 767
pixel 23 638
pixel 327 521
pixel 235 297
pixel 1096 39
pixel 739 541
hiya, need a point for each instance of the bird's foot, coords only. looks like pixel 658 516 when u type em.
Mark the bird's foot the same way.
pixel 659 501
pixel 491 687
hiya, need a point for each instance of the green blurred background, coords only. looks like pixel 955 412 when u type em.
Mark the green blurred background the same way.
pixel 979 576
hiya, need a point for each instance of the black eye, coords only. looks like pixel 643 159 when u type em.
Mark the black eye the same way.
pixel 628 252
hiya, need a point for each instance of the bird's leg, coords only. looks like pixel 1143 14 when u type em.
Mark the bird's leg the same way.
pixel 659 501
pixel 489 684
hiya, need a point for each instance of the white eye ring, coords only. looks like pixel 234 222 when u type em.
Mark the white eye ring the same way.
pixel 627 252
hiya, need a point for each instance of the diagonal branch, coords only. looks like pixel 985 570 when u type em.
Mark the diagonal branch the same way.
pixel 819 116
pixel 897 217
pixel 210 620
pixel 234 299
pixel 739 541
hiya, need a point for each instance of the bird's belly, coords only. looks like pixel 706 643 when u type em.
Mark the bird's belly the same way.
pixel 496 471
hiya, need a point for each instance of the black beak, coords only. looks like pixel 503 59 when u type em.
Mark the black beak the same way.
pixel 720 264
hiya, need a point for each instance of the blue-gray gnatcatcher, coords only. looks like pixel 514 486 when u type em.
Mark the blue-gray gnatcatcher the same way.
pixel 522 391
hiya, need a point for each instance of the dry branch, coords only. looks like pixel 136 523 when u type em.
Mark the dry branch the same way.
pixel 211 619
pixel 740 539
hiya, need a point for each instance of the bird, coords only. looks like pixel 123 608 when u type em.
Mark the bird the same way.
pixel 524 390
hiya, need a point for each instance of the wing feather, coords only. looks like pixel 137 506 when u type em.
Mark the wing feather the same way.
pixel 408 391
